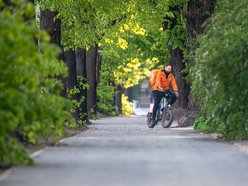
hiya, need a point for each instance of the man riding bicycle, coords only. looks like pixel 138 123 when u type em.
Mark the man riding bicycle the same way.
pixel 164 79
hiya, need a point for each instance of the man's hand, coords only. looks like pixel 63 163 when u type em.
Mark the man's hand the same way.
pixel 177 94
pixel 160 88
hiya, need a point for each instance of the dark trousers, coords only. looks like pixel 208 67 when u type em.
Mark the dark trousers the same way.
pixel 151 97
pixel 158 95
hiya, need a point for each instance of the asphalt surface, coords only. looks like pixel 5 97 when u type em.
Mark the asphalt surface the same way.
pixel 125 152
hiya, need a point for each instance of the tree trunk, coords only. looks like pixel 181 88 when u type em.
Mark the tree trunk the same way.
pixel 129 93
pixel 197 13
pixel 178 67
pixel 98 66
pixel 81 72
pixel 53 27
pixel 91 60
pixel 177 64
pixel 70 59
pixel 117 99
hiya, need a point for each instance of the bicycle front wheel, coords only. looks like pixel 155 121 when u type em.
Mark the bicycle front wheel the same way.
pixel 167 118
pixel 149 120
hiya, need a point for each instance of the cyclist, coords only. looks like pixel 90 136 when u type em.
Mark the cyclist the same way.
pixel 164 79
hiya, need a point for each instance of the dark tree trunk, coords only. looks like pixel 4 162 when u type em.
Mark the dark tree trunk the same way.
pixel 81 72
pixel 177 63
pixel 178 67
pixel 70 59
pixel 117 99
pixel 197 13
pixel 81 62
pixel 53 27
pixel 91 61
pixel 128 93
pixel 98 66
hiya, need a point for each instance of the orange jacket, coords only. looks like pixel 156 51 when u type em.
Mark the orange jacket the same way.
pixel 164 83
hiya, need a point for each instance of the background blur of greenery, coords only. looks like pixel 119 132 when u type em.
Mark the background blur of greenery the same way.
pixel 31 109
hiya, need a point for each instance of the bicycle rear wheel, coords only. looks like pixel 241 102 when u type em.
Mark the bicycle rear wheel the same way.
pixel 167 118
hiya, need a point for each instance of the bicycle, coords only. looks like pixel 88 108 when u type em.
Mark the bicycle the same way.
pixel 164 114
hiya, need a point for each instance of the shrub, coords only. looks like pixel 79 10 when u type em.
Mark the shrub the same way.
pixel 105 97
pixel 220 74
pixel 201 124
pixel 30 106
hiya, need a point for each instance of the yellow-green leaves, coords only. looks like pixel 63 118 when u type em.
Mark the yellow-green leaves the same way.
pixel 130 73
pixel 127 107
pixel 122 43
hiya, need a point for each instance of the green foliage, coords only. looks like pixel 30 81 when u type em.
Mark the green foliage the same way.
pixel 127 107
pixel 76 104
pixel 129 32
pixel 11 152
pixel 85 22
pixel 202 125
pixel 105 96
pixel 219 77
pixel 139 43
pixel 30 105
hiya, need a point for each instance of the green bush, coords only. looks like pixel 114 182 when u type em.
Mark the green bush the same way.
pixel 220 74
pixel 105 97
pixel 30 106
pixel 202 125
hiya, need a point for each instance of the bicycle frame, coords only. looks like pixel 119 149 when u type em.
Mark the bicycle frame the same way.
pixel 164 113
pixel 162 107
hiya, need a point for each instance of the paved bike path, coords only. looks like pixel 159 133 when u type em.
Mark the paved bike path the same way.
pixel 125 152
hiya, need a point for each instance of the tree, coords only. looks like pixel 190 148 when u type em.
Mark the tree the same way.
pixel 51 25
pixel 196 14
pixel 91 61
pixel 82 81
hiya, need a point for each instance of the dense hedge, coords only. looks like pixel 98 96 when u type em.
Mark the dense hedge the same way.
pixel 31 109
pixel 220 74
